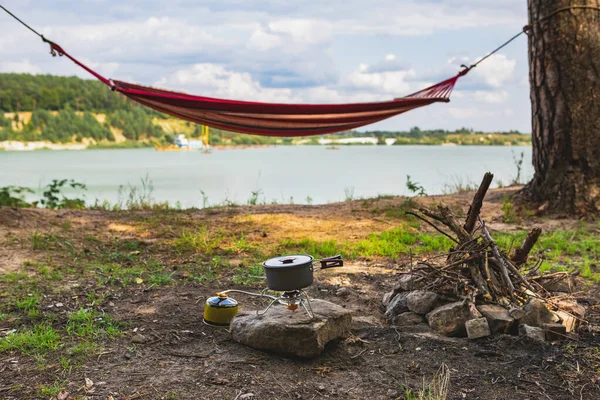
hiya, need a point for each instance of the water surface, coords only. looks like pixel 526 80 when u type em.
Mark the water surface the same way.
pixel 299 174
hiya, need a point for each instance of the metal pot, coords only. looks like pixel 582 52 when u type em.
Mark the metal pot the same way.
pixel 295 272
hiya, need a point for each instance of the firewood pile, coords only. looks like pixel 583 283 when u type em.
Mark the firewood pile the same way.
pixel 477 279
pixel 475 267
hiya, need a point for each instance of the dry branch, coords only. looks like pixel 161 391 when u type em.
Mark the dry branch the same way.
pixel 520 255
pixel 477 203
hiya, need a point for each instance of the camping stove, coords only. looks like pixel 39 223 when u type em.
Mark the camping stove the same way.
pixel 291 299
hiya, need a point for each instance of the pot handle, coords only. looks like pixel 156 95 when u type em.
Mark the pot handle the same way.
pixel 330 262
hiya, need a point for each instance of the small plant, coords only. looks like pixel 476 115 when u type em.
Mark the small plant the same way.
pixel 509 214
pixel 254 197
pixel 349 194
pixel 53 190
pixel 14 196
pixel 519 165
pixel 415 187
pixel 204 199
pixel 50 391
pixel 309 200
pixel 437 389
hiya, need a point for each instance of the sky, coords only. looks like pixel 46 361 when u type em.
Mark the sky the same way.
pixel 291 51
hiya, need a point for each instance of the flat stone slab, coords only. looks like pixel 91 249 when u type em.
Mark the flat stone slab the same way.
pixel 292 333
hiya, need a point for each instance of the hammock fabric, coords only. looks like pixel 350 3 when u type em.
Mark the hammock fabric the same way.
pixel 272 119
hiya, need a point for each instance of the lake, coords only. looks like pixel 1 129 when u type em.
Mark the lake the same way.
pixel 299 174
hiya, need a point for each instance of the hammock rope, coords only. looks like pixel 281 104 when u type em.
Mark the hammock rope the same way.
pixel 275 119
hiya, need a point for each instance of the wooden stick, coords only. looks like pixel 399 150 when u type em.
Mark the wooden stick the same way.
pixel 475 207
pixel 479 280
pixel 500 261
pixel 431 223
pixel 446 217
pixel 520 255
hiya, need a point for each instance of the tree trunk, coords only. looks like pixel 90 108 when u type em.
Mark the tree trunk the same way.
pixel 564 61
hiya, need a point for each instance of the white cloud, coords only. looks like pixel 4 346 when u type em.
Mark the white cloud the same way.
pixel 19 67
pixel 215 80
pixel 496 70
pixel 492 97
pixel 468 113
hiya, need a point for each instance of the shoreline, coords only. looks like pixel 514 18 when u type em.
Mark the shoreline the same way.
pixel 47 146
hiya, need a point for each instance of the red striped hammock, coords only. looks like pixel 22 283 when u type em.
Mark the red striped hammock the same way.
pixel 273 119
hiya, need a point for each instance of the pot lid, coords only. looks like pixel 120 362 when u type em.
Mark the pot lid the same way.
pixel 288 261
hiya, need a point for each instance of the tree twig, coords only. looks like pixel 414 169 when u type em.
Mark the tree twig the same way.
pixel 431 224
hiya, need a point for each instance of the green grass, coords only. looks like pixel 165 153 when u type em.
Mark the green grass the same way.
pixel 40 339
pixel 392 243
pixel 49 391
pixel 29 303
pixel 13 277
pixel 160 278
pixel 571 250
pixel 249 275
pixel 90 324
pixel 82 349
pixel 117 274
pixel 198 240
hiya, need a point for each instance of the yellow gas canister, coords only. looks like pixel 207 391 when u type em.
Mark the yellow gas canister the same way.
pixel 220 309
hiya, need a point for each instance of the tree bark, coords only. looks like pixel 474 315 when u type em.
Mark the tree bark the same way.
pixel 564 60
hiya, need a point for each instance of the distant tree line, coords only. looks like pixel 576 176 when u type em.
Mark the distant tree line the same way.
pixel 24 92
pixel 417 133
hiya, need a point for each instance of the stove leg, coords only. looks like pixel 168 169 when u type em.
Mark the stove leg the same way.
pixel 267 309
pixel 304 302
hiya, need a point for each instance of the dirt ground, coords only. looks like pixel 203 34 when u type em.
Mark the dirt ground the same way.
pixel 182 358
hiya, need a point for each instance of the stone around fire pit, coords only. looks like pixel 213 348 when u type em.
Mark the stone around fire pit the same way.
pixel 450 319
pixel 292 333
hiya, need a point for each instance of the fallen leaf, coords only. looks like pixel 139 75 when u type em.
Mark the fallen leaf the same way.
pixel 88 383
pixel 139 281
pixel 62 395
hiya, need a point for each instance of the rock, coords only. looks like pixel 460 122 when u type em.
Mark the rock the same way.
pixel 477 328
pixel 365 321
pixel 555 332
pixel 498 318
pixel 408 319
pixel 421 301
pixel 405 283
pixel 532 332
pixel 292 332
pixel 450 319
pixel 536 314
pixel 397 306
pixel 139 338
pixel 568 320
pixel 408 282
pixel 387 298
pixel 517 313
pixel 345 292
